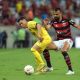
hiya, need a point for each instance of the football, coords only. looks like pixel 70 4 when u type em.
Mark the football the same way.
pixel 28 69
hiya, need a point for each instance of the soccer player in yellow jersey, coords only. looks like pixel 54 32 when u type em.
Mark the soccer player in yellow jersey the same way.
pixel 44 40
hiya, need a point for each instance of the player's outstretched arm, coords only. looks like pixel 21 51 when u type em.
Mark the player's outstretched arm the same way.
pixel 74 24
pixel 77 26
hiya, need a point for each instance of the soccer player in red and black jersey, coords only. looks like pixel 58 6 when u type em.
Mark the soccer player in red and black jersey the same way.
pixel 64 40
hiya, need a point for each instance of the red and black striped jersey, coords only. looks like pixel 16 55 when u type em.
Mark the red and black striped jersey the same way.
pixel 62 28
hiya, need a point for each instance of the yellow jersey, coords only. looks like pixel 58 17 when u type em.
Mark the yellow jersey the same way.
pixel 33 29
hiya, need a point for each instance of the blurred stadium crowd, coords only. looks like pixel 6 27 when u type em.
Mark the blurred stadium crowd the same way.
pixel 10 10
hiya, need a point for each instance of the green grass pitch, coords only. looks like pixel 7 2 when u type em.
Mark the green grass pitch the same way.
pixel 12 62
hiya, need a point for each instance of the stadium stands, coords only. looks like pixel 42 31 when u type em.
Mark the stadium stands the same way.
pixel 10 10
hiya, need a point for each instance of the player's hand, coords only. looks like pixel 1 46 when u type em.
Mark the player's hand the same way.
pixel 45 22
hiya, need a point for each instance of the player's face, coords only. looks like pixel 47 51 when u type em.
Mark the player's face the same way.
pixel 57 14
pixel 23 23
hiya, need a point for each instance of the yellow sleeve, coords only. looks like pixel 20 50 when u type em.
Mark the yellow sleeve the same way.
pixel 31 24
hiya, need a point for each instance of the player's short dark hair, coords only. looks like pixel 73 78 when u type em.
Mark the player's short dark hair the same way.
pixel 21 18
pixel 57 9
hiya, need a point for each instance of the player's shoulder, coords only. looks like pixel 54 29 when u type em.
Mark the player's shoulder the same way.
pixel 31 22
pixel 66 18
pixel 69 20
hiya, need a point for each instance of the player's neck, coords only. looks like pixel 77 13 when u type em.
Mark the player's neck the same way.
pixel 60 18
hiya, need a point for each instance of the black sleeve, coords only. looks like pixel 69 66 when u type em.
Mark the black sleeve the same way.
pixel 71 22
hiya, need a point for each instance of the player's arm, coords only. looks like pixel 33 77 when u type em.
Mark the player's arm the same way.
pixel 39 32
pixel 46 24
pixel 74 24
